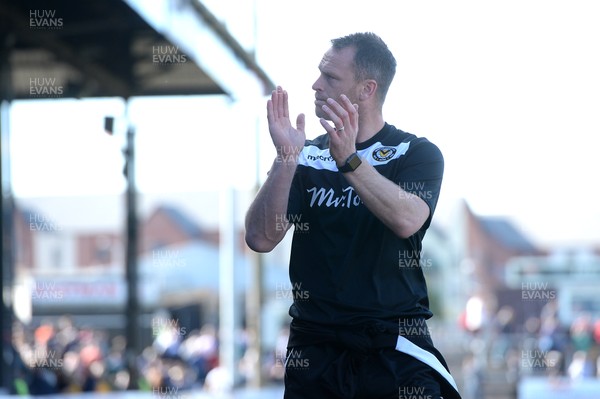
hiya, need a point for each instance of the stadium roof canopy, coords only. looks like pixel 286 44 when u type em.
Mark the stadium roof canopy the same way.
pixel 121 48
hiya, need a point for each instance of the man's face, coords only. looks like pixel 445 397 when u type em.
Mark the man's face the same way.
pixel 336 78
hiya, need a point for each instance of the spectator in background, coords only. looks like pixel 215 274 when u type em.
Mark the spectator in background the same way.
pixel 59 357
pixel 582 340
pixel 582 333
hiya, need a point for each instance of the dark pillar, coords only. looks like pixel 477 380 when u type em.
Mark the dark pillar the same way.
pixel 6 219
pixel 132 310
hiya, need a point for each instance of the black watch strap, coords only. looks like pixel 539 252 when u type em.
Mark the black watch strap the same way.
pixel 351 163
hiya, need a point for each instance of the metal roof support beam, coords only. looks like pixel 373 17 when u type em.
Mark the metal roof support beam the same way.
pixel 248 59
pixel 212 48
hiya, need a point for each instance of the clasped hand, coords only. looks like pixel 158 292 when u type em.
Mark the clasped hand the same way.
pixel 289 140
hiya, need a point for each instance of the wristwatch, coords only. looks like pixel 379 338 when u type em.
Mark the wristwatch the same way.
pixel 351 164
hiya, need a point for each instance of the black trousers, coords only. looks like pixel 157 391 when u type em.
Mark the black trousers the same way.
pixel 329 371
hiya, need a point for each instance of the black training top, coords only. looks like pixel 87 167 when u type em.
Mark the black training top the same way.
pixel 346 266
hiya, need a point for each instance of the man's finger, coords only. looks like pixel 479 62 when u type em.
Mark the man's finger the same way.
pixel 337 108
pixel 300 122
pixel 286 110
pixel 330 129
pixel 333 115
pixel 270 110
pixel 278 102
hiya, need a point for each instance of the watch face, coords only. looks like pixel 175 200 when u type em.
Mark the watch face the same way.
pixel 354 162
pixel 351 163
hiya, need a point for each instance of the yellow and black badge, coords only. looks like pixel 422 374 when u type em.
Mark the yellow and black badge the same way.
pixel 382 154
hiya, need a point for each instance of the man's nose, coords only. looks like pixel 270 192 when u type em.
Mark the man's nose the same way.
pixel 316 86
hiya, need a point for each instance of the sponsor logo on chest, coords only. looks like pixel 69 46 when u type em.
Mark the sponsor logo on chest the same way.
pixel 330 198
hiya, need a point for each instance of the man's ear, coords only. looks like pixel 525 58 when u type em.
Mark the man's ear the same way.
pixel 369 89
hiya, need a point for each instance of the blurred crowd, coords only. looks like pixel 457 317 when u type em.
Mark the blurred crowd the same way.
pixel 59 357
pixel 544 345
pixel 541 345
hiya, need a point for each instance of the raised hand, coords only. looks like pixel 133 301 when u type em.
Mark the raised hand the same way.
pixel 342 135
pixel 287 139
